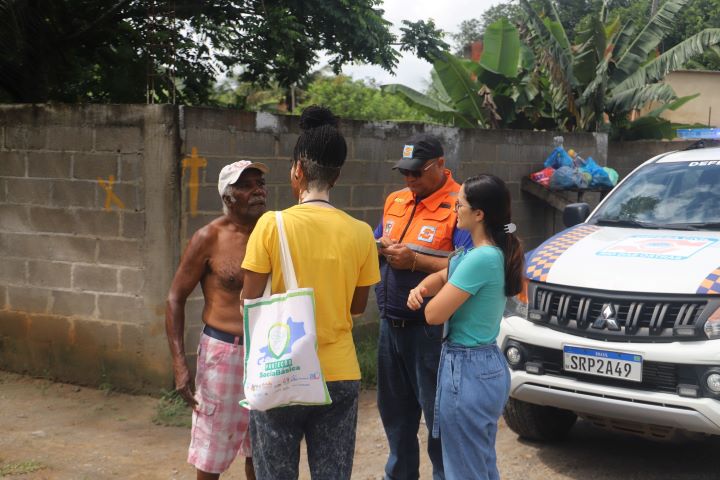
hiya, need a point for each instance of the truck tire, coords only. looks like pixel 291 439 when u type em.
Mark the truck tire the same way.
pixel 537 422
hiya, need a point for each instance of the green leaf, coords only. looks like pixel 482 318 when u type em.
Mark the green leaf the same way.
pixel 556 26
pixel 437 88
pixel 418 98
pixel 501 48
pixel 431 106
pixel 591 53
pixel 557 31
pixel 648 128
pixel 527 58
pixel 555 57
pixel 460 87
pixel 638 97
pixel 647 40
pixel 625 36
pixel 674 105
pixel 672 60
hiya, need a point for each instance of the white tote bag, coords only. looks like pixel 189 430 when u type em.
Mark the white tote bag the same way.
pixel 281 362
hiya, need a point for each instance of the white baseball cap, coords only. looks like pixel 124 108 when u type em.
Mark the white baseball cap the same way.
pixel 230 173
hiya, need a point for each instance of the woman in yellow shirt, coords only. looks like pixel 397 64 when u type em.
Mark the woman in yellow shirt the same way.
pixel 334 254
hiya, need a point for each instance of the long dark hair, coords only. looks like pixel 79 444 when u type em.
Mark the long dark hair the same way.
pixel 490 194
pixel 321 149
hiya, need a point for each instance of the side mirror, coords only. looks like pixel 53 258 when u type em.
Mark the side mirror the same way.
pixel 575 213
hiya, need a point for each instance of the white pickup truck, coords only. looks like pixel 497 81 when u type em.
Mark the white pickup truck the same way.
pixel 621 321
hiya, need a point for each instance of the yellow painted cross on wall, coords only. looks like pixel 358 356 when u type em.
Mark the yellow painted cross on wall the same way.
pixel 194 163
pixel 110 196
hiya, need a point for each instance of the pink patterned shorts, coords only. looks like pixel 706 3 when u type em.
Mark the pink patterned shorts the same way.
pixel 219 424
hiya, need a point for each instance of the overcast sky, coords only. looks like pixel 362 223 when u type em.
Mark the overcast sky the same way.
pixel 447 14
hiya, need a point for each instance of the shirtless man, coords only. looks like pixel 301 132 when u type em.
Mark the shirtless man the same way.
pixel 213 258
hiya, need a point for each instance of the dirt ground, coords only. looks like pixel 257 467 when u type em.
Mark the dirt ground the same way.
pixel 68 432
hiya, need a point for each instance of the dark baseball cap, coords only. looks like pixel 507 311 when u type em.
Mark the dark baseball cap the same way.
pixel 418 150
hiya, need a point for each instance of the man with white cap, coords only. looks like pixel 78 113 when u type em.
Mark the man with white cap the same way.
pixel 212 258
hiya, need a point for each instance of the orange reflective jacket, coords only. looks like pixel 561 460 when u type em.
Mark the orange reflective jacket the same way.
pixel 426 227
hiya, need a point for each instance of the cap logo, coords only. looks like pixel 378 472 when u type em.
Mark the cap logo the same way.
pixel 408 151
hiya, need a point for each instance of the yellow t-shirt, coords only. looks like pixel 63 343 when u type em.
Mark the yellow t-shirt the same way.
pixel 332 253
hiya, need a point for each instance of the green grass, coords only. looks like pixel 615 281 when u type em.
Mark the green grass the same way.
pixel 367 356
pixel 172 411
pixel 20 468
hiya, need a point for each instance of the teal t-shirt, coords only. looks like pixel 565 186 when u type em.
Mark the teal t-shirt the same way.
pixel 481 273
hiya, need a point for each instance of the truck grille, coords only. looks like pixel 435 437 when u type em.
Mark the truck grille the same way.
pixel 636 317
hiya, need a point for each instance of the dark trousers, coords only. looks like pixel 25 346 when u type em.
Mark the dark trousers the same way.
pixel 329 432
pixel 408 359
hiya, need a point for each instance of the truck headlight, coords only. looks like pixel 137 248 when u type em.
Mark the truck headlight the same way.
pixel 514 355
pixel 712 325
pixel 517 306
pixel 712 380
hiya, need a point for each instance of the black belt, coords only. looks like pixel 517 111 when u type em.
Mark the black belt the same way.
pixel 222 336
pixel 402 323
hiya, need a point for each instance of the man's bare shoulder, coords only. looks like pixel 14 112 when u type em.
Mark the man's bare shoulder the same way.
pixel 207 235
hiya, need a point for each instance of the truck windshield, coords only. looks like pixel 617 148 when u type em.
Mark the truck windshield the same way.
pixel 681 195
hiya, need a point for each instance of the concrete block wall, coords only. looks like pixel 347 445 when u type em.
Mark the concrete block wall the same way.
pixel 76 300
pixel 82 289
pixel 625 156
pixel 225 136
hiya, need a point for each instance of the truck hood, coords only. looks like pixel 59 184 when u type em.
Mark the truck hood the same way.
pixel 629 260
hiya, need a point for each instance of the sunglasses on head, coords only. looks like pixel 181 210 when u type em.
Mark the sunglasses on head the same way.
pixel 415 173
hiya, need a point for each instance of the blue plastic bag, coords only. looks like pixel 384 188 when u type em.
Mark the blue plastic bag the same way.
pixel 612 173
pixel 599 177
pixel 568 177
pixel 559 158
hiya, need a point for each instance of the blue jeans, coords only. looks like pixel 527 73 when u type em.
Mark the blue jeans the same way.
pixel 473 386
pixel 408 359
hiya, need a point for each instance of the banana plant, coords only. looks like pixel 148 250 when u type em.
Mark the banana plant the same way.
pixel 613 70
pixel 501 91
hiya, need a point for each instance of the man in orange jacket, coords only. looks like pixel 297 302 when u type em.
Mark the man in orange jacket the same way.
pixel 418 232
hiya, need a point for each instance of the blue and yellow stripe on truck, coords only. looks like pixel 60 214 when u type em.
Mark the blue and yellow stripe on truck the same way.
pixel 711 284
pixel 546 254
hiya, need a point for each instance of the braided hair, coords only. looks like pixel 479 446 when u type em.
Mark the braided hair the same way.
pixel 490 194
pixel 321 149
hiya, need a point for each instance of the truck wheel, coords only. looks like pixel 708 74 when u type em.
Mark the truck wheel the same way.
pixel 537 422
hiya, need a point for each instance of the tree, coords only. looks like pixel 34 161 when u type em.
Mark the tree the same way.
pixel 696 16
pixel 613 69
pixel 510 11
pixel 112 50
pixel 470 31
pixel 357 100
pixel 502 91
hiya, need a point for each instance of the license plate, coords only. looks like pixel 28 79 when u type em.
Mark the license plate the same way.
pixel 603 363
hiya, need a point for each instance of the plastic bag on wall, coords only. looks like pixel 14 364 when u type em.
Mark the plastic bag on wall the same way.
pixel 612 174
pixel 568 177
pixel 543 176
pixel 559 158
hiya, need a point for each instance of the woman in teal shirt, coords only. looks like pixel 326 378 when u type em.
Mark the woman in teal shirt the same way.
pixel 473 379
